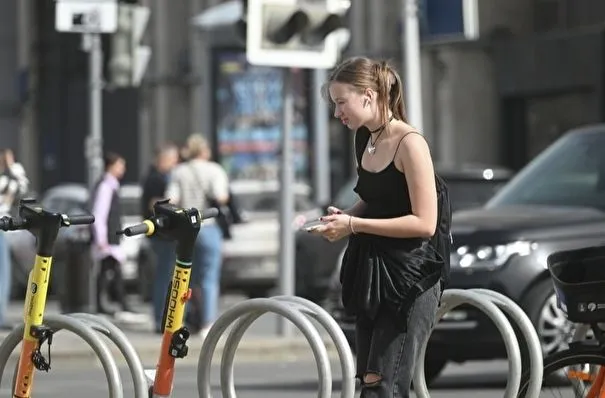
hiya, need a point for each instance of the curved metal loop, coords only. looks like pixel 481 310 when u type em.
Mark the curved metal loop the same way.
pixel 451 299
pixel 79 328
pixel 112 332
pixel 347 362
pixel 231 344
pixel 530 335
pixel 250 307
pixel 310 309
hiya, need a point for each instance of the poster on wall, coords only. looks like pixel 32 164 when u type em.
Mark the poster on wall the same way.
pixel 248 109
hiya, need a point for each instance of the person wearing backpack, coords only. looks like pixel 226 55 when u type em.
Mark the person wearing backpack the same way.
pixel 397 260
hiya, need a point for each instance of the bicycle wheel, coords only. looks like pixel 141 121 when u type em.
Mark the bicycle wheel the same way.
pixel 575 368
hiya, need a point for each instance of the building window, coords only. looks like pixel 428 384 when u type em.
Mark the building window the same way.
pixel 549 15
pixel 441 18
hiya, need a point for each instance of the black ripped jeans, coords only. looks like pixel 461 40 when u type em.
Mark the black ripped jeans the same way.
pixel 386 349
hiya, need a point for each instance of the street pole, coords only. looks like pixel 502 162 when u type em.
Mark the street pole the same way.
pixel 321 141
pixel 412 62
pixel 95 135
pixel 92 43
pixel 286 211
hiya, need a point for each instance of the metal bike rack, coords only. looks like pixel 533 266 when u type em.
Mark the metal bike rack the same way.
pixel 294 309
pixel 347 362
pixel 81 329
pixel 536 361
pixel 112 332
pixel 308 308
pixel 453 298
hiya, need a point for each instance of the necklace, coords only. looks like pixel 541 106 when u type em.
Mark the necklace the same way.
pixel 379 130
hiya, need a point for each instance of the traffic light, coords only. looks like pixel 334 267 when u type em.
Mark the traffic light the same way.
pixel 298 34
pixel 128 60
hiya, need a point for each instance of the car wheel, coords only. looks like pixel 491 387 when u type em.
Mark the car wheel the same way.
pixel 553 328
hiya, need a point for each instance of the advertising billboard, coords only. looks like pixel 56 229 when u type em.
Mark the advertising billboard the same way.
pixel 247 118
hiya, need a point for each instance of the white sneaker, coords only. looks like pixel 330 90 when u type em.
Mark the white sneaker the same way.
pixel 131 317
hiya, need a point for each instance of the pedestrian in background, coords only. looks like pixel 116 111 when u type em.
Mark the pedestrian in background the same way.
pixel 155 185
pixel 107 209
pixel 13 184
pixel 198 182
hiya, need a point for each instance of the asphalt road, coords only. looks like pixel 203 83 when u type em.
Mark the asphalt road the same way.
pixel 258 380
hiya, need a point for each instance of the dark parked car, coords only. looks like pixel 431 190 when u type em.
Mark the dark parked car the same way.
pixel 318 261
pixel 556 202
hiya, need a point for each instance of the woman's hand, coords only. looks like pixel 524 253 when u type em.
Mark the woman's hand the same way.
pixel 334 210
pixel 336 227
pixel 300 220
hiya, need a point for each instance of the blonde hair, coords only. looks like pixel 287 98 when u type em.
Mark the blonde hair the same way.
pixel 363 73
pixel 197 145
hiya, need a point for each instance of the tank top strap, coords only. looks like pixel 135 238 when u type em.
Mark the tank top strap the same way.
pixel 400 140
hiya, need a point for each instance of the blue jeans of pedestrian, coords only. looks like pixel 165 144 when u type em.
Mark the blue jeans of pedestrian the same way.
pixel 206 272
pixel 165 258
pixel 5 277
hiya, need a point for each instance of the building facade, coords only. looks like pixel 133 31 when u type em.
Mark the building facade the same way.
pixel 536 70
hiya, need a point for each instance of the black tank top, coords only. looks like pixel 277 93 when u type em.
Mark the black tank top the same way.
pixel 385 192
pixel 377 270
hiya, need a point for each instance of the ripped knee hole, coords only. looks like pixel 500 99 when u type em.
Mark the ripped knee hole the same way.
pixel 371 379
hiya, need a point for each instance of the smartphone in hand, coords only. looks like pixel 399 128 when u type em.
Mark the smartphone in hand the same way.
pixel 312 225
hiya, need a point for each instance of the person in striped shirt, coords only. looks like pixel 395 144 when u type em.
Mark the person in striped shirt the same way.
pixel 200 182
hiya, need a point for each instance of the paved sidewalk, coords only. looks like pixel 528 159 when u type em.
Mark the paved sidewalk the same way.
pixel 259 343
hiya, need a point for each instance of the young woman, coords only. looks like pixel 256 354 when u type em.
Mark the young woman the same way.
pixel 391 270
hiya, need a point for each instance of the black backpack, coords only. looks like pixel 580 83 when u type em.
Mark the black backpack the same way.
pixel 442 240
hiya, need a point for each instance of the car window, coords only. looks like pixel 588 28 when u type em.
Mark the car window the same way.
pixel 466 194
pixel 64 205
pixel 571 172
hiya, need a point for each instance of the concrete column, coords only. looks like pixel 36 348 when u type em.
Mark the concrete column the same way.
pixel 27 63
pixel 359 31
pixel 145 104
pixel 376 28
pixel 358 44
pixel 198 57
pixel 161 69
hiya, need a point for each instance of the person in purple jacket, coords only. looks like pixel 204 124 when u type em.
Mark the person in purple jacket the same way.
pixel 106 243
